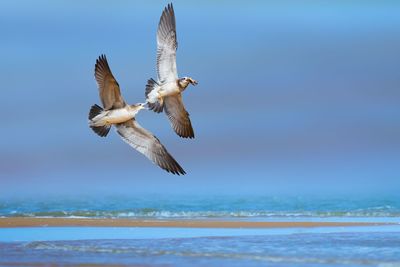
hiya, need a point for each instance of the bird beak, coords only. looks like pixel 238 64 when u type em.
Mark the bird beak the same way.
pixel 194 82
pixel 143 105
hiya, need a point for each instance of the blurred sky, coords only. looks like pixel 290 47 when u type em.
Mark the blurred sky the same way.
pixel 293 96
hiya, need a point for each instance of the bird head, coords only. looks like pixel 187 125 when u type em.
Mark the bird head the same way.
pixel 185 81
pixel 139 106
pixel 143 105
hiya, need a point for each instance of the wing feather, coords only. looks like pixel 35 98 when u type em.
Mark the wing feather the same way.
pixel 147 144
pixel 166 46
pixel 109 91
pixel 178 116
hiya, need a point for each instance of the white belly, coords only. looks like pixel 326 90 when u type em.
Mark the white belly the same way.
pixel 170 88
pixel 113 117
pixel 119 116
pixel 162 91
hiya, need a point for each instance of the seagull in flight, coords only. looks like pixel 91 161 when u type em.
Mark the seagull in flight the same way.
pixel 166 93
pixel 116 112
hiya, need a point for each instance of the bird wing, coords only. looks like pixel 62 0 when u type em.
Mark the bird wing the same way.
pixel 147 144
pixel 166 46
pixel 109 91
pixel 178 116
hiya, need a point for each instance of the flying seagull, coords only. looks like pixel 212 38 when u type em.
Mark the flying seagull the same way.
pixel 166 93
pixel 116 112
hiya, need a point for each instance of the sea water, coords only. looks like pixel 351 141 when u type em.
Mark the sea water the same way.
pixel 320 246
pixel 256 248
pixel 208 207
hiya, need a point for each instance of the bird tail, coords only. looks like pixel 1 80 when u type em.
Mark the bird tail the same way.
pixel 99 130
pixel 151 94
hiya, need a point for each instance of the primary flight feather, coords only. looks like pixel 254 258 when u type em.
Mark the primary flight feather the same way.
pixel 166 93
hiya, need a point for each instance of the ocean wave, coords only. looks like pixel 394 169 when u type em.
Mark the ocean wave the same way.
pixel 160 214
pixel 201 207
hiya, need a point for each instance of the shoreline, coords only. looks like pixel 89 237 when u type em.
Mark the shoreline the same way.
pixel 17 222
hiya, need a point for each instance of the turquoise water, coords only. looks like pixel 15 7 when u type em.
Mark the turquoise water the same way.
pixel 320 246
pixel 161 207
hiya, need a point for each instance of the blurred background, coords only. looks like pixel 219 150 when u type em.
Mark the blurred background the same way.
pixel 294 97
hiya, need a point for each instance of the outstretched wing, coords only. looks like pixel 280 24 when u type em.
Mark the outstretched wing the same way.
pixel 109 91
pixel 147 144
pixel 178 116
pixel 166 46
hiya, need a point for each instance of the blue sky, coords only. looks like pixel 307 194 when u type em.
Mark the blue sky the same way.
pixel 293 96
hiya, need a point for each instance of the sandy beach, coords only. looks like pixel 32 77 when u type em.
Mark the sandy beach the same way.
pixel 71 222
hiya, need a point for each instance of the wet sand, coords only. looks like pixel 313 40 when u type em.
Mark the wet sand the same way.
pixel 98 222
